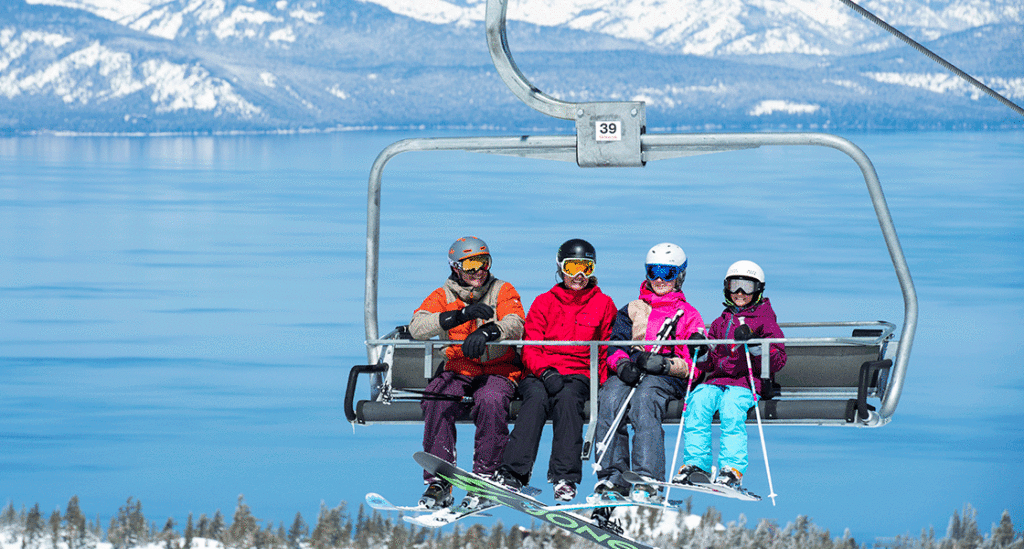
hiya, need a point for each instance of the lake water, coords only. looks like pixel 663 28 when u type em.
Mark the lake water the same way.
pixel 178 314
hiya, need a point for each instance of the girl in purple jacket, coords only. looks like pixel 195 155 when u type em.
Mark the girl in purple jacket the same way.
pixel 727 388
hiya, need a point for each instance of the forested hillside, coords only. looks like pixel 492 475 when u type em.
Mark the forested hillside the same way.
pixel 336 528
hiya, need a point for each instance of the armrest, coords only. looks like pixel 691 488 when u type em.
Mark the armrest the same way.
pixel 353 378
pixel 860 407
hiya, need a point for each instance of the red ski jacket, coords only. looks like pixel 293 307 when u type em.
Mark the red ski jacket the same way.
pixel 561 314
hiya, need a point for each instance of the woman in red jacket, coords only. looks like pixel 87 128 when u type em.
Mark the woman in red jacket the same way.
pixel 575 309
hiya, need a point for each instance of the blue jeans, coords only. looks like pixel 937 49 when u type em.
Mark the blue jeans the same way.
pixel 645 413
pixel 732 404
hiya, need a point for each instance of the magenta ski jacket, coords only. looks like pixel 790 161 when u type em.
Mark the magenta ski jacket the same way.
pixel 645 316
pixel 726 363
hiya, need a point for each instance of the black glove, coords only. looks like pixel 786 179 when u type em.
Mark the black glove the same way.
pixel 477 310
pixel 451 319
pixel 553 381
pixel 628 372
pixel 475 343
pixel 743 333
pixel 698 351
pixel 654 364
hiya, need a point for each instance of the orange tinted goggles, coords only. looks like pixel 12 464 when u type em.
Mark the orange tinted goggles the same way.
pixel 471 265
pixel 573 267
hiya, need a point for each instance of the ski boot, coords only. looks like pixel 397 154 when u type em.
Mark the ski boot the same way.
pixel 471 502
pixel 565 490
pixel 729 477
pixel 691 474
pixel 438 495
pixel 508 479
pixel 645 493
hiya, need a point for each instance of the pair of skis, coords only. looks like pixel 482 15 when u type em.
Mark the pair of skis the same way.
pixel 430 518
pixel 712 488
pixel 492 494
pixel 436 518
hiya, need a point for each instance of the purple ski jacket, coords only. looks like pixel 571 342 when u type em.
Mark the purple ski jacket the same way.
pixel 726 364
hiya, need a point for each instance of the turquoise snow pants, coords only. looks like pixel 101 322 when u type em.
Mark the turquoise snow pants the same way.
pixel 732 404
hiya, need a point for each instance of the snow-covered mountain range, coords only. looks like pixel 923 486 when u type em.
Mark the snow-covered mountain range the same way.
pixel 237 65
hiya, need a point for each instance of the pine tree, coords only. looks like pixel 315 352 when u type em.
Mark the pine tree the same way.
pixel 168 536
pixel 55 521
pixel 1003 535
pixel 217 527
pixel 362 534
pixel 75 533
pixel 34 527
pixel 399 535
pixel 190 533
pixel 327 533
pixel 9 517
pixel 282 535
pixel 203 527
pixel 97 528
pixel 242 532
pixel 455 541
pixel 711 518
pixel 497 537
pixel 297 532
pixel 267 539
pixel 764 535
pixel 128 528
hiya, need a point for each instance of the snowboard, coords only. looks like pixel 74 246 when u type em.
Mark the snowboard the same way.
pixel 710 488
pixel 557 515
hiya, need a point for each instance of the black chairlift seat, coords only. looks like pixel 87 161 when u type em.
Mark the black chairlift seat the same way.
pixel 825 381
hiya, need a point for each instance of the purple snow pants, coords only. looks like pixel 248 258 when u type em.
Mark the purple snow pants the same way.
pixel 491 397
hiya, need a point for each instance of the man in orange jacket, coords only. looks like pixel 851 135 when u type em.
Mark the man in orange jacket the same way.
pixel 473 307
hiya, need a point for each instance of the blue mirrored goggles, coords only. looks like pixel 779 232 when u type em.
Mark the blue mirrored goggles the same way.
pixel 664 272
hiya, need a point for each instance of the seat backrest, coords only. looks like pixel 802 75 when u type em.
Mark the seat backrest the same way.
pixel 806 366
pixel 824 365
pixel 407 367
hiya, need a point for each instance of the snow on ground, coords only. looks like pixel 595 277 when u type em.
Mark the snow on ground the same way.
pixel 115 10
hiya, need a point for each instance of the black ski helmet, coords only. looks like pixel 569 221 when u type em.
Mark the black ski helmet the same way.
pixel 576 248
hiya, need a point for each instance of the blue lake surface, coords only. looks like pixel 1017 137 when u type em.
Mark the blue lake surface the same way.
pixel 178 314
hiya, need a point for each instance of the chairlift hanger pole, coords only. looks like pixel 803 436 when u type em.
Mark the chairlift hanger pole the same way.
pixel 634 148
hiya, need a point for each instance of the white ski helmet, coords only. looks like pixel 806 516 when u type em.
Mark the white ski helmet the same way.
pixel 667 253
pixel 747 269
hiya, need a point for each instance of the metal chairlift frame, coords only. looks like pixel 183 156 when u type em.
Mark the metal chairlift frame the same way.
pixel 632 146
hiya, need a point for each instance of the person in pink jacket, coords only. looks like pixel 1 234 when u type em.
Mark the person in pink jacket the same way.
pixel 558 386
pixel 659 373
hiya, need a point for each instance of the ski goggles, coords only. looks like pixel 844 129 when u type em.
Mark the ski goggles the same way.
pixel 573 266
pixel 471 265
pixel 741 286
pixel 664 272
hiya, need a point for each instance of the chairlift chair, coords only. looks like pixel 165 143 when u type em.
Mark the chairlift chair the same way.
pixel 836 381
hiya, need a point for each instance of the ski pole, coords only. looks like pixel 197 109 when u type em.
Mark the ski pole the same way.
pixel 757 413
pixel 682 422
pixel 605 443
